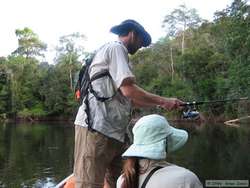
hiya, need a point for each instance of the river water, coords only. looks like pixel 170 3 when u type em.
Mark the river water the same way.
pixel 41 155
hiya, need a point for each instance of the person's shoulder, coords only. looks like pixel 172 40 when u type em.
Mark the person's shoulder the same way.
pixel 181 170
pixel 116 45
pixel 187 175
pixel 110 48
pixel 174 176
pixel 191 179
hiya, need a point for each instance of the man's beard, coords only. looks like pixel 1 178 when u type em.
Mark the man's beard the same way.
pixel 132 49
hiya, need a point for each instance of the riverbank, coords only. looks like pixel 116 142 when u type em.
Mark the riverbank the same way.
pixel 70 119
pixel 33 119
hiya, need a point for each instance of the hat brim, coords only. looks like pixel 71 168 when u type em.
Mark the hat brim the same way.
pixel 151 151
pixel 176 140
pixel 119 29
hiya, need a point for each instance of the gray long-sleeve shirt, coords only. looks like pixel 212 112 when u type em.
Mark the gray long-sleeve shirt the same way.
pixel 169 176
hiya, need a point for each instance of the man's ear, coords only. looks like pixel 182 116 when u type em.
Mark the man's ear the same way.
pixel 131 35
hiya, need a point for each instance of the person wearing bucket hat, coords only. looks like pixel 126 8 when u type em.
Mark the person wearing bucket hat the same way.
pixel 138 30
pixel 154 138
pixel 100 128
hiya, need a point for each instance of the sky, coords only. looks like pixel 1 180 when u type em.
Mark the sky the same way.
pixel 50 19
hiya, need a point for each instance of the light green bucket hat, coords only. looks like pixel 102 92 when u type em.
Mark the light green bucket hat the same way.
pixel 151 133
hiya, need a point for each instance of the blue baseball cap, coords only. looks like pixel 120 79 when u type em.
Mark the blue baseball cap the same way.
pixel 152 134
pixel 128 25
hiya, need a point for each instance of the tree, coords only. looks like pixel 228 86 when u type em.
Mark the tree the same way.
pixel 4 90
pixel 179 20
pixel 68 52
pixel 25 82
pixel 236 42
pixel 29 45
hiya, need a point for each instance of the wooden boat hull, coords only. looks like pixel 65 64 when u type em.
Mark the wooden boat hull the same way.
pixel 68 182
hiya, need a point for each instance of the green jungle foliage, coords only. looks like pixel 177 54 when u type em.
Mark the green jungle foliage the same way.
pixel 200 60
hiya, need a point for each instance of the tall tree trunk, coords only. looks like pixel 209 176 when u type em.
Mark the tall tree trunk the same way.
pixel 183 38
pixel 70 77
pixel 172 62
pixel 183 43
pixel 11 91
pixel 70 72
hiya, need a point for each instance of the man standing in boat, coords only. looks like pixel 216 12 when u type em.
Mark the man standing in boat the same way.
pixel 100 125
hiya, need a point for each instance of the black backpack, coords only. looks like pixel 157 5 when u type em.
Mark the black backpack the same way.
pixel 84 86
pixel 83 81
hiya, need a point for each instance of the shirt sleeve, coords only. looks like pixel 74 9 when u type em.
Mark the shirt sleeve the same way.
pixel 119 64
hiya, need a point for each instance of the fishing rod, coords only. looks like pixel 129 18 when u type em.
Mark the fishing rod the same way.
pixel 214 101
pixel 190 111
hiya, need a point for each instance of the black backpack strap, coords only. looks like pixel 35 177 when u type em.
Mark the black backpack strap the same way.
pixel 149 176
pixel 100 75
pixel 87 111
pixel 95 77
pixel 91 90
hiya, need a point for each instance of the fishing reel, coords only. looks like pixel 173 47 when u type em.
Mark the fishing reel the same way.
pixel 190 112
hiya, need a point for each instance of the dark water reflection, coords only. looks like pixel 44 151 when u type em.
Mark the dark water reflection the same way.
pixel 40 155
pixel 216 152
pixel 37 155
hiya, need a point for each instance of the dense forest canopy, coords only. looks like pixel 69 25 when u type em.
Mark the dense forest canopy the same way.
pixel 197 59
